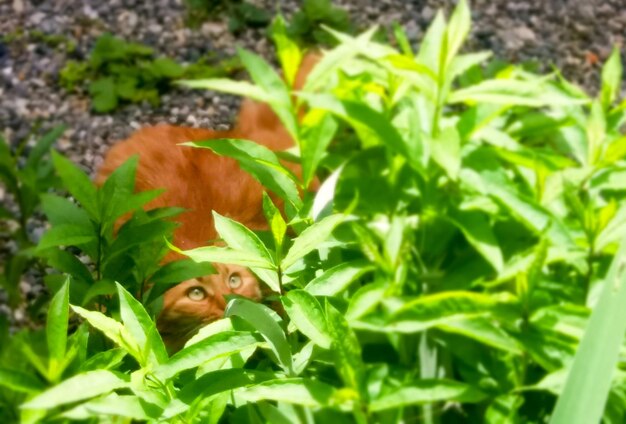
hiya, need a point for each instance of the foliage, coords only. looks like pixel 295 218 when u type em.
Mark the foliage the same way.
pixel 54 41
pixel 240 13
pixel 306 24
pixel 118 72
pixel 465 240
pixel 26 172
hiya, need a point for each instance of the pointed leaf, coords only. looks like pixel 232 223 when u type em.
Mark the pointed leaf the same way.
pixel 347 351
pixel 311 238
pixel 260 317
pixel 428 391
pixel 56 327
pixel 238 237
pixel 297 391
pixel 611 78
pixel 77 388
pixel 141 326
pixel 307 315
pixel 217 346
pixel 478 232
pixel 78 184
pixel 338 278
pixel 258 161
pixel 112 329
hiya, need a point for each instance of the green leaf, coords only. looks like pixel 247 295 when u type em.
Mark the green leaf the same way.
pixel 226 256
pixel 297 391
pixel 611 78
pixel 43 146
pixel 276 221
pixel 238 237
pixel 261 318
pixel 586 390
pixel 56 327
pixel 402 40
pixel 178 271
pixel 476 229
pixel 240 88
pixel 310 239
pixel 338 278
pixel 167 68
pixel 20 381
pixel 220 381
pixel 306 314
pixel 457 30
pixel 432 49
pixel 318 130
pixel 427 391
pixel 512 92
pixel 114 405
pixel 258 161
pixel 288 52
pixel 78 184
pixel 362 116
pixel 60 210
pixel 347 352
pixel 264 76
pixel 140 326
pixel 485 331
pixel 219 345
pixel 77 388
pixel 67 235
pixel 366 298
pixel 103 95
pixel 107 359
pixel 117 194
pixel 113 330
pixel 446 151
pixel 440 308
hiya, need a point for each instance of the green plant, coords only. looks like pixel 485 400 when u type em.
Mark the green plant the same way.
pixel 445 271
pixel 26 172
pixel 240 13
pixel 306 24
pixel 131 253
pixel 55 41
pixel 118 72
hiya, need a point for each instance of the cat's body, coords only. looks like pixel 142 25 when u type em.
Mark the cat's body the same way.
pixel 201 181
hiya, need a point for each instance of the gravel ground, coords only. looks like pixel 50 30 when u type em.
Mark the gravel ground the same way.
pixel 575 35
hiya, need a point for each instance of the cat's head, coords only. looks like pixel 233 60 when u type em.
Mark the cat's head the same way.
pixel 199 301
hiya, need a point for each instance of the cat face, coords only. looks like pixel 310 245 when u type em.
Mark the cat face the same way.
pixel 199 301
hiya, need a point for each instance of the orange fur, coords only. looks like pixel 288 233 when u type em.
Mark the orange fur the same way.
pixel 201 181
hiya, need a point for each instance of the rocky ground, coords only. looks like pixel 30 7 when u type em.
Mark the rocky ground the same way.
pixel 575 35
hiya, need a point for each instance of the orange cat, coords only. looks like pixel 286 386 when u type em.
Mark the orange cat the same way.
pixel 201 181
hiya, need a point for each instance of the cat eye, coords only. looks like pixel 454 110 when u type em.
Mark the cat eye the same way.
pixel 234 281
pixel 196 293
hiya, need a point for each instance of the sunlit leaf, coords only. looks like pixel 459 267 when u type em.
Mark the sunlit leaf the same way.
pixel 80 387
pixel 307 315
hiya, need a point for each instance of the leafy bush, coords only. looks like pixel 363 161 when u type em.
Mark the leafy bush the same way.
pixel 26 172
pixel 240 13
pixel 119 72
pixel 306 24
pixel 445 271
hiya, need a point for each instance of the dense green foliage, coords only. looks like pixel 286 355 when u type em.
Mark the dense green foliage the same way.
pixel 26 176
pixel 464 241
pixel 306 24
pixel 240 13
pixel 118 72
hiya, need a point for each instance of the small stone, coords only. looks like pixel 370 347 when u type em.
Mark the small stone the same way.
pixel 524 33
